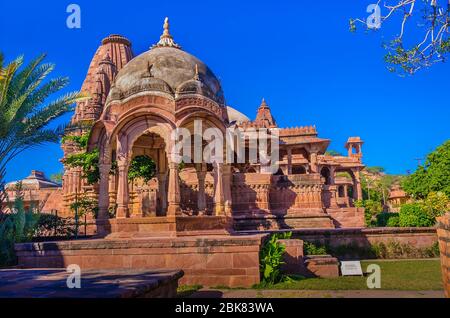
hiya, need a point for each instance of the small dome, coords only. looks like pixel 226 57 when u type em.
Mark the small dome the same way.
pixel 236 116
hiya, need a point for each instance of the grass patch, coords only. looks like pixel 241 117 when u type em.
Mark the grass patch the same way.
pixel 184 291
pixel 395 275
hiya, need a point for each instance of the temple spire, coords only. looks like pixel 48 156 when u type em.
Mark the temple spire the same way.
pixel 166 39
pixel 264 117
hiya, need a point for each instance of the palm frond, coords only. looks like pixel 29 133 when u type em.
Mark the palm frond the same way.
pixel 53 110
pixel 8 75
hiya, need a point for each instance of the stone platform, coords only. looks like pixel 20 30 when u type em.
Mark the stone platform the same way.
pixel 52 283
pixel 210 261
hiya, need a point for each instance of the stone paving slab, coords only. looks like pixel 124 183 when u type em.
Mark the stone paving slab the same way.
pixel 251 293
pixel 52 283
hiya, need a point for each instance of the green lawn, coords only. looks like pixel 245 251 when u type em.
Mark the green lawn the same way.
pixel 395 275
pixel 417 275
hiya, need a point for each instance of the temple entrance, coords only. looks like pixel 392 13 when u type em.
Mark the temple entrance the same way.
pixel 147 176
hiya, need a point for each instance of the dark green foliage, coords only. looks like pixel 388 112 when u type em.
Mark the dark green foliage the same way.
pixel 397 250
pixel 52 225
pixel 16 227
pixel 142 167
pixel 80 141
pixel 88 161
pixel 414 215
pixel 433 176
pixel 388 219
pixel 372 208
pixel 271 258
pixel 314 249
pixel 389 250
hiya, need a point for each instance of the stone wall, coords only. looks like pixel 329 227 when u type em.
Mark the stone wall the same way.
pixel 221 260
pixel 348 217
pixel 364 238
pixel 444 246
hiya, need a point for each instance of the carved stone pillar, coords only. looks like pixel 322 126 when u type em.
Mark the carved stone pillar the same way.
pixel 103 192
pixel 173 194
pixel 314 166
pixel 162 192
pixel 226 177
pixel 219 199
pixel 289 152
pixel 332 175
pixel 201 199
pixel 122 191
pixel 357 193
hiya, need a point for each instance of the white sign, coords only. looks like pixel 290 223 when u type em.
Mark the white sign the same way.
pixel 351 268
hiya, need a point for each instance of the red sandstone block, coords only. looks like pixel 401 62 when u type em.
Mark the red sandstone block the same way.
pixel 185 261
pixel 106 261
pixel 243 281
pixel 148 261
pixel 222 260
pixel 252 271
pixel 242 260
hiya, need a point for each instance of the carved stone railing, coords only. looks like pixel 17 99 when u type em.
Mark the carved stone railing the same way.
pixel 267 193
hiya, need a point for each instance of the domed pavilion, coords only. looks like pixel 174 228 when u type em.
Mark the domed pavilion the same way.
pixel 135 105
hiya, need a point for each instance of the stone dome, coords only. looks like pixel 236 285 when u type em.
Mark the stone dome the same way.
pixel 172 71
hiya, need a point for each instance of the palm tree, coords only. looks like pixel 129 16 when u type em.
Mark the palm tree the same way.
pixel 24 110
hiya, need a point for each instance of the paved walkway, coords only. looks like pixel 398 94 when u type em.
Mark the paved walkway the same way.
pixel 251 293
pixel 49 283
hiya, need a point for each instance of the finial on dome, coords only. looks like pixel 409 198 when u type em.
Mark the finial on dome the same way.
pixel 166 40
pixel 196 76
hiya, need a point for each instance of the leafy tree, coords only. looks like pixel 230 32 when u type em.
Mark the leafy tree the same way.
pixel 433 176
pixel 436 204
pixel 413 214
pixel 142 167
pixel 25 112
pixel 432 19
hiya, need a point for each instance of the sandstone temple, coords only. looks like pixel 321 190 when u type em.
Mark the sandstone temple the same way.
pixel 137 101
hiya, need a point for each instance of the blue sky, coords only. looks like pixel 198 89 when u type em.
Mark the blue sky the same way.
pixel 299 55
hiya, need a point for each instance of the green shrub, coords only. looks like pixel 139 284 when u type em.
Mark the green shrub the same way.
pixel 372 209
pixel 271 259
pixel 53 225
pixel 388 219
pixel 413 214
pixel 395 250
pixel 314 249
pixel 436 204
pixel 16 227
